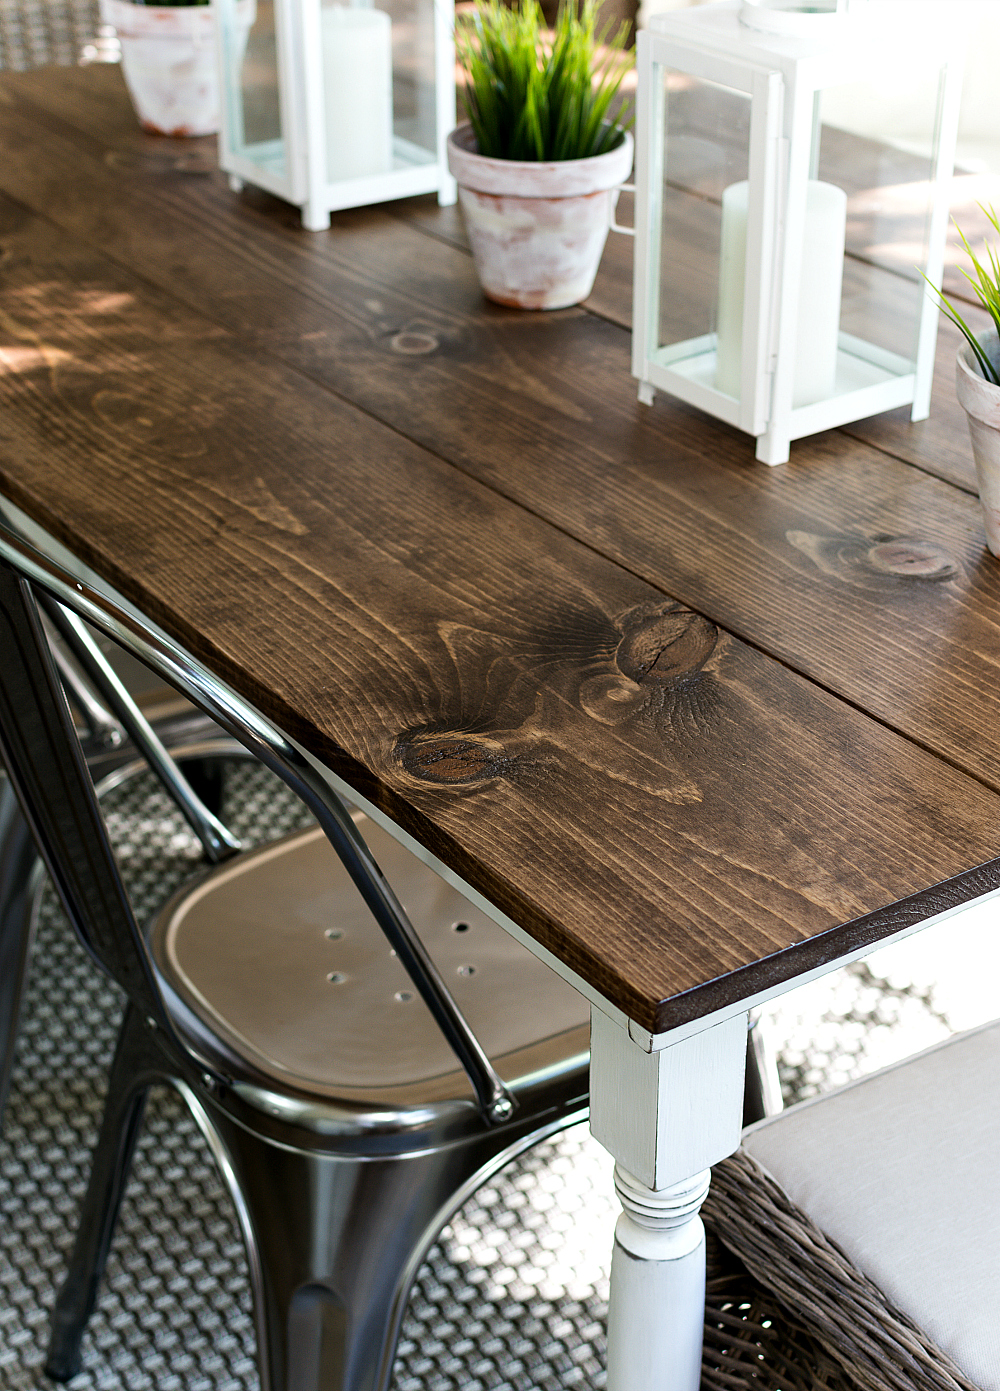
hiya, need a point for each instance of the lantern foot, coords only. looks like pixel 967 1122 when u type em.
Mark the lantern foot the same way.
pixel 647 393
pixel 235 183
pixel 447 193
pixel 773 448
pixel 315 217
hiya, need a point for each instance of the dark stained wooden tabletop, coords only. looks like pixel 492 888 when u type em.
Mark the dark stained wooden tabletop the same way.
pixel 696 724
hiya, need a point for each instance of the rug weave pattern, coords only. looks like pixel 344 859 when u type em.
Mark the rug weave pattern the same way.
pixel 34 33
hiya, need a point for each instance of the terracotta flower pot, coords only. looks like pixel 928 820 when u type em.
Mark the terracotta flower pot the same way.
pixel 537 230
pixel 981 401
pixel 169 62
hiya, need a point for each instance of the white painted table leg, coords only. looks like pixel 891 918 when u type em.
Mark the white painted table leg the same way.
pixel 666 1116
pixel 657 1306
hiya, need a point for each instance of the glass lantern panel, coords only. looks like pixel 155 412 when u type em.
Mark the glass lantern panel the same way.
pixel 379 87
pixel 706 157
pixel 414 91
pixel 876 141
pixel 250 53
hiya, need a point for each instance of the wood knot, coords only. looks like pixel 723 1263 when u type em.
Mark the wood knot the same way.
pixel 411 343
pixel 666 646
pixel 452 759
pixel 920 560
pixel 874 563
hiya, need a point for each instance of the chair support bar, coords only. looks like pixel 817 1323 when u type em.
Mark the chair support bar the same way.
pixel 218 842
pixel 266 742
pixel 102 727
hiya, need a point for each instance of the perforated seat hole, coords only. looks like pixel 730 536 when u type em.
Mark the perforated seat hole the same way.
pixel 336 978
pixel 334 933
pixel 466 970
pixel 403 996
pixel 460 927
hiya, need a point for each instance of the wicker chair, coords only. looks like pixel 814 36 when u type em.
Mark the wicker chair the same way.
pixel 854 1237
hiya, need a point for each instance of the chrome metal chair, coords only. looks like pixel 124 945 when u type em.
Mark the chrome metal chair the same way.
pixel 351 1098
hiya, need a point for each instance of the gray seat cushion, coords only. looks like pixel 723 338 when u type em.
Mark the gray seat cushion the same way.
pixel 901 1169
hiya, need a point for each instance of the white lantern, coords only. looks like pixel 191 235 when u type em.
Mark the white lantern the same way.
pixel 333 106
pixel 773 137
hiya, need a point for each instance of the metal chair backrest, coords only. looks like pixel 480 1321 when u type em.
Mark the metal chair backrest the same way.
pixel 40 747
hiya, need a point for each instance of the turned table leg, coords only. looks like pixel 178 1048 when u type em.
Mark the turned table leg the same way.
pixel 666 1116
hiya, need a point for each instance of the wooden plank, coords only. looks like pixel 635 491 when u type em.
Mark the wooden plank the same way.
pixel 91 102
pixel 542 408
pixel 654 800
pixel 940 445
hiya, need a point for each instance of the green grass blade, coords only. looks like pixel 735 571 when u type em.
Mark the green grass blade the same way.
pixel 534 100
pixel 986 366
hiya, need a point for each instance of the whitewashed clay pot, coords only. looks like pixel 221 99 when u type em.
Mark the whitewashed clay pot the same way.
pixel 981 400
pixel 537 230
pixel 169 62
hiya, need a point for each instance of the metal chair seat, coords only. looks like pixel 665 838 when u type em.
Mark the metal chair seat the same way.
pixel 345 1131
pixel 276 966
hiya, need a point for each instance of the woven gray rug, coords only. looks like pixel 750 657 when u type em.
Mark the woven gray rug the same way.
pixel 34 33
pixel 512 1297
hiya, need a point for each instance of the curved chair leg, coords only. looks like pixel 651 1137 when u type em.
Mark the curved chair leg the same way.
pixel 334 1244
pixel 128 1084
pixel 18 862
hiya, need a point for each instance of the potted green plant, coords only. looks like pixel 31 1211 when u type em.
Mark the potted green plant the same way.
pixel 540 161
pixel 977 380
pixel 169 61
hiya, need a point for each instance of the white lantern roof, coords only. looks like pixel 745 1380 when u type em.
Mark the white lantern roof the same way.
pixel 823 45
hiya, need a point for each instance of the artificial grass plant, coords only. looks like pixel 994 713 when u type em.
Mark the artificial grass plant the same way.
pixel 535 97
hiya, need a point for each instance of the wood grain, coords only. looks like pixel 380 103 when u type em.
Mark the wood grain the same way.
pixel 490 683
pixel 562 720
pixel 940 445
pixel 394 322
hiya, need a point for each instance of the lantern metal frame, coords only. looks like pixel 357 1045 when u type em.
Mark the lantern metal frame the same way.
pixel 294 167
pixel 784 76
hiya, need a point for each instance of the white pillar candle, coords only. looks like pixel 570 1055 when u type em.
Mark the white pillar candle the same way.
pixel 357 66
pixel 820 288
